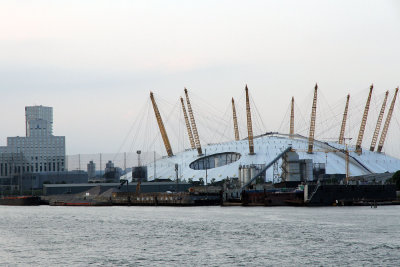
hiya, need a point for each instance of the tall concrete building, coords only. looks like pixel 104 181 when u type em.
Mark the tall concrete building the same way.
pixel 39 151
pixel 39 121
pixel 91 170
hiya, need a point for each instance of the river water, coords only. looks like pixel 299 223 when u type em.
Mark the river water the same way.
pixel 199 236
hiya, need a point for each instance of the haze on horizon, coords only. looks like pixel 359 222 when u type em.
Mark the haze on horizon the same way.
pixel 95 62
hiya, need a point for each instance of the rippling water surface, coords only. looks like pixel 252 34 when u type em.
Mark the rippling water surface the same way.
pixel 197 236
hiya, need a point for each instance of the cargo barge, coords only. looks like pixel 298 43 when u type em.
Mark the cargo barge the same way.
pixel 277 198
pixel 322 195
pixel 166 199
pixel 80 204
pixel 347 195
pixel 20 200
pixel 103 196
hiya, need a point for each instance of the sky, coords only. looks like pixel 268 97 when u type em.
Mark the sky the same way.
pixel 95 62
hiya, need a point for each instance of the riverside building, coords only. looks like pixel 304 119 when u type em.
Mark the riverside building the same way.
pixel 37 152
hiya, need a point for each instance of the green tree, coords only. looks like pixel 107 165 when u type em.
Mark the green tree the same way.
pixel 396 179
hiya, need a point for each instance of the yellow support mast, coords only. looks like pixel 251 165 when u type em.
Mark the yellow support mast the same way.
pixel 161 126
pixel 363 122
pixel 312 121
pixel 379 123
pixel 387 122
pixel 193 122
pixel 343 127
pixel 291 133
pixel 189 129
pixel 249 123
pixel 235 123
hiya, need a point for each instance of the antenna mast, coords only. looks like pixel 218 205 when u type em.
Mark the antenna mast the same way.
pixel 235 123
pixel 161 126
pixel 189 129
pixel 291 133
pixel 249 124
pixel 193 122
pixel 363 122
pixel 379 123
pixel 342 129
pixel 387 122
pixel 312 123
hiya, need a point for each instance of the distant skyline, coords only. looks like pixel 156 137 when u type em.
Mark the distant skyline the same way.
pixel 95 62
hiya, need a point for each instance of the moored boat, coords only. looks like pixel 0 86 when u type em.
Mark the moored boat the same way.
pixel 20 200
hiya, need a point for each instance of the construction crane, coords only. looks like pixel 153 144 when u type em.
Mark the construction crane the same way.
pixel 122 182
pixel 235 123
pixel 249 123
pixel 139 182
pixel 139 179
pixel 363 122
pixel 189 129
pixel 342 129
pixel 387 122
pixel 265 168
pixel 379 123
pixel 312 123
pixel 193 122
pixel 347 154
pixel 291 132
pixel 161 127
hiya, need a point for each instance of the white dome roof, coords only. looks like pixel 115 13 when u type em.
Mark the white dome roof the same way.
pixel 266 148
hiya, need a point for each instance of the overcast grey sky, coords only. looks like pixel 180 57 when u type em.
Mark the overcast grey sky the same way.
pixel 96 61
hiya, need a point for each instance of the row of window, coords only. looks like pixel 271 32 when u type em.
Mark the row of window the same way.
pixel 9 169
pixel 36 142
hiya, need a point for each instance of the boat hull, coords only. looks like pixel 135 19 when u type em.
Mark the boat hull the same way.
pixel 20 201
